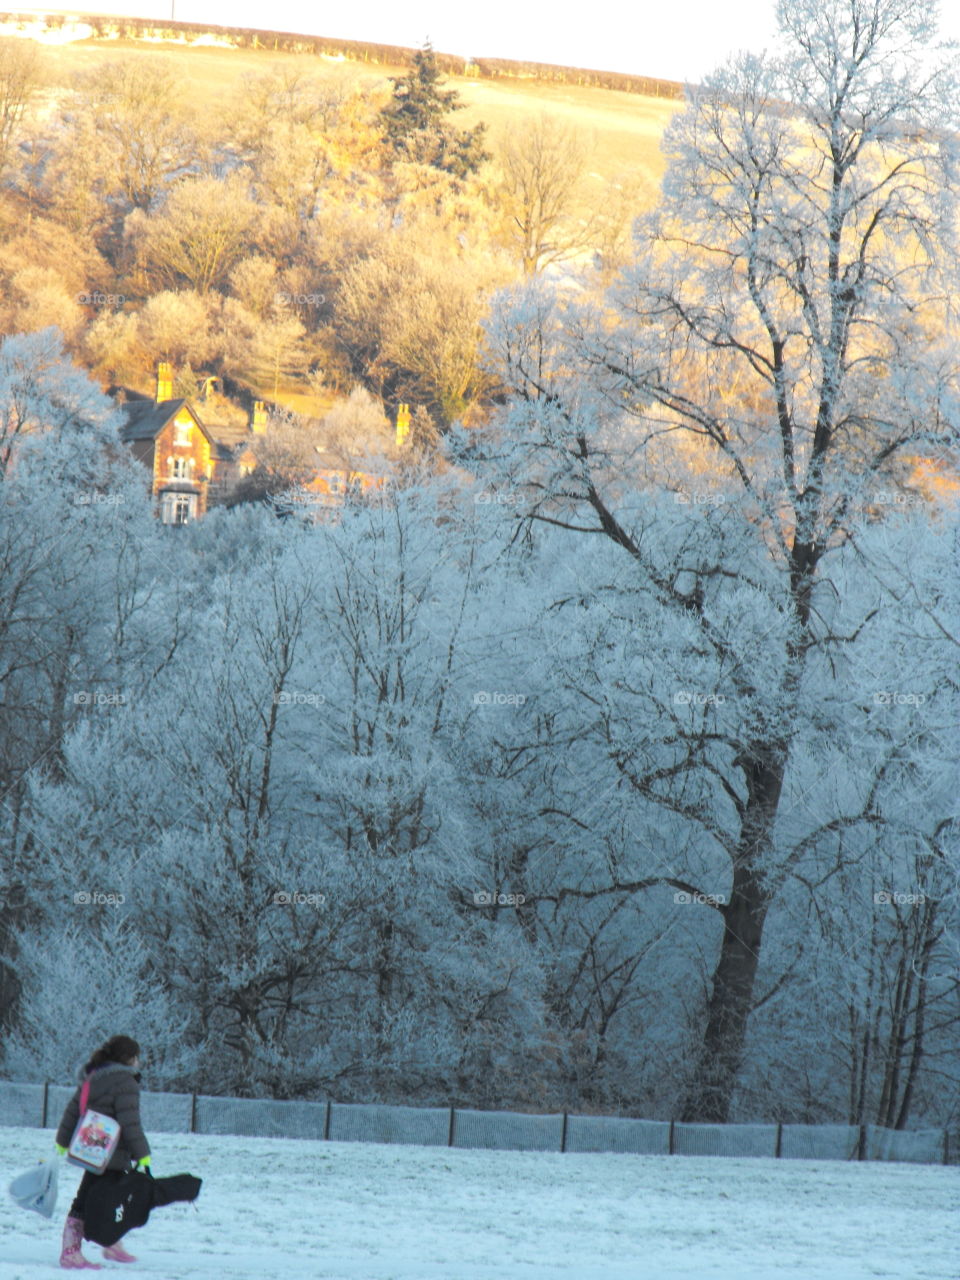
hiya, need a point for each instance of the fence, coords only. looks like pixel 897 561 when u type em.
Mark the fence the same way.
pixel 42 1105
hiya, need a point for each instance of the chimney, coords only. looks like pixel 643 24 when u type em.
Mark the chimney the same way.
pixel 164 381
pixel 403 423
pixel 258 418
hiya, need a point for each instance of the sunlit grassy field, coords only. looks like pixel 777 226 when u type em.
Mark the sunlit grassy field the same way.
pixel 623 130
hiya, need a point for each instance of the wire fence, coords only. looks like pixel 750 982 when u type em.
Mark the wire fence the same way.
pixel 41 1105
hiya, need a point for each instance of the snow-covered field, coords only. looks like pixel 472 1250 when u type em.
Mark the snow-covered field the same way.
pixel 287 1210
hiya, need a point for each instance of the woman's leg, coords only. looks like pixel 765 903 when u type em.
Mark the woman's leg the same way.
pixel 71 1255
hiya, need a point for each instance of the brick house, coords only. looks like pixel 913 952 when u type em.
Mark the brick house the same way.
pixel 189 467
pixel 194 466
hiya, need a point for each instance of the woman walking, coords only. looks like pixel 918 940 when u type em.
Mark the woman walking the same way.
pixel 114 1091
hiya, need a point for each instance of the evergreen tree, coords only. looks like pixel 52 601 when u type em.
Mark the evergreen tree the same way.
pixel 415 126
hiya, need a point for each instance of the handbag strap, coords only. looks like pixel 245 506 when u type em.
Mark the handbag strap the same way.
pixel 84 1096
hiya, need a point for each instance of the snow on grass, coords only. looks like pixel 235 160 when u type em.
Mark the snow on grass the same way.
pixel 279 1209
pixel 39 31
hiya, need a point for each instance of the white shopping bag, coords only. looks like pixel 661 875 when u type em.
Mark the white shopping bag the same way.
pixel 37 1188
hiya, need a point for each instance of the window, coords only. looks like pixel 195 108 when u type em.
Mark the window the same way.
pixel 334 482
pixel 178 508
pixel 181 432
pixel 180 468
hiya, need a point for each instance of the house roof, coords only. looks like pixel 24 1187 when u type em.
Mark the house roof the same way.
pixel 145 419
pixel 328 460
pixel 233 435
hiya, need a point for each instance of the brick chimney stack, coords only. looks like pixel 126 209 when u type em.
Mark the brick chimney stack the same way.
pixel 403 423
pixel 164 381
pixel 258 418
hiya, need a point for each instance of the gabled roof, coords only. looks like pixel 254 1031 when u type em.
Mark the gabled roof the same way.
pixel 145 419
pixel 350 464
pixel 233 434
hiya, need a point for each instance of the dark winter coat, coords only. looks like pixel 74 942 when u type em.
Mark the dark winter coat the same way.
pixel 114 1091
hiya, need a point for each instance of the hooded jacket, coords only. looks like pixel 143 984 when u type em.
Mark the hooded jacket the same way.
pixel 114 1091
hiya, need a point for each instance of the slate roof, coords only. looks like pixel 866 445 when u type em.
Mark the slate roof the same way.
pixel 233 435
pixel 146 419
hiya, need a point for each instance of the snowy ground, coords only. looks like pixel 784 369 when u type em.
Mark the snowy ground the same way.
pixel 275 1209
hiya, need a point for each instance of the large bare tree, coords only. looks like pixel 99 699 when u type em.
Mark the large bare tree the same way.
pixel 785 316
pixel 21 77
pixel 541 166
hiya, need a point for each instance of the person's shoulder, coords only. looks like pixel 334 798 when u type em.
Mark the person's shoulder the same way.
pixel 121 1070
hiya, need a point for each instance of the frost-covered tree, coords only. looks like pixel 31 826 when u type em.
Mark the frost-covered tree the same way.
pixel 778 355
pixel 541 167
pixel 78 557
pixel 77 988
pixel 290 835
pixel 21 79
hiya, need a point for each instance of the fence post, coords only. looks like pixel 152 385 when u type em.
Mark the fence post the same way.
pixel 46 1095
pixel 946 1146
pixel 326 1123
pixel 193 1113
pixel 671 1149
pixel 779 1140
pixel 862 1143
pixel 563 1135
pixel 453 1117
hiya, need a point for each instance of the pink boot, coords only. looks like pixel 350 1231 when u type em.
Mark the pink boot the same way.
pixel 117 1253
pixel 70 1255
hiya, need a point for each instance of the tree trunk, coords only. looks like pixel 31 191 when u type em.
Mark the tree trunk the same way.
pixel 930 938
pixel 721 1054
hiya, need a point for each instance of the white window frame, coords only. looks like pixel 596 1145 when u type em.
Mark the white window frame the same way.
pixel 178 508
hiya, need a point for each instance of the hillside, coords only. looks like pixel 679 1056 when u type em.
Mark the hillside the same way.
pixel 134 131
pixel 624 127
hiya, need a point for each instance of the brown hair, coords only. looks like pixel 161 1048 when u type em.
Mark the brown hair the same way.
pixel 116 1049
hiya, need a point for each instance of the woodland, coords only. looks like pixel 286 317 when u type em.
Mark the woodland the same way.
pixel 606 759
